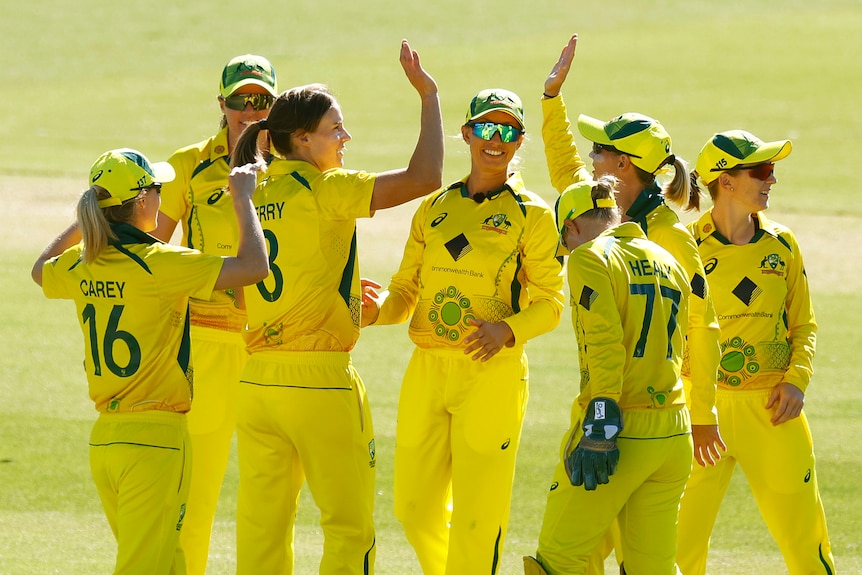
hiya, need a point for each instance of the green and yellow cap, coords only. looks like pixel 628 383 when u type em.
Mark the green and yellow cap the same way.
pixel 640 137
pixel 248 69
pixel 493 99
pixel 125 172
pixel 576 200
pixel 734 148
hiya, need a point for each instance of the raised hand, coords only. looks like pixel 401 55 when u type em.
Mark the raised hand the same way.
pixel 555 80
pixel 419 78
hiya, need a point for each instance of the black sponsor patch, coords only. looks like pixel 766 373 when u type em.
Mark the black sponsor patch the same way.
pixel 747 291
pixel 458 247
pixel 588 296
pixel 698 286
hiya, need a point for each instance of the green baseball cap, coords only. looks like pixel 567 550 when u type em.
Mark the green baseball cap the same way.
pixel 576 200
pixel 640 137
pixel 248 69
pixel 493 99
pixel 125 172
pixel 734 148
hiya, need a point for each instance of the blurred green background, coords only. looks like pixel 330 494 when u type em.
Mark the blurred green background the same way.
pixel 88 76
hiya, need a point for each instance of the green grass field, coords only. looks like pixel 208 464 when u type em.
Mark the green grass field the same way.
pixel 90 76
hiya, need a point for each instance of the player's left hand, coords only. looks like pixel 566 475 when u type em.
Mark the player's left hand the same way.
pixel 707 442
pixel 419 78
pixel 595 458
pixel 787 400
pixel 370 301
pixel 488 339
pixel 560 71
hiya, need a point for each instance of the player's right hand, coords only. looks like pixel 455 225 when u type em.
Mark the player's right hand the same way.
pixel 370 301
pixel 595 458
pixel 243 179
pixel 557 77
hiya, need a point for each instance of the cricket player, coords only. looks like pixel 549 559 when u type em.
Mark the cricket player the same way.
pixel 302 410
pixel 758 281
pixel 198 197
pixel 635 149
pixel 131 294
pixel 628 452
pixel 478 279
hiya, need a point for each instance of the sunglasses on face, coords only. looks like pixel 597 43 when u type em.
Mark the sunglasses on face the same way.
pixel 760 172
pixel 599 148
pixel 486 131
pixel 258 101
pixel 154 186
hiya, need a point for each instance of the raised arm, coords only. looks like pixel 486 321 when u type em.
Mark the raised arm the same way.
pixel 69 237
pixel 555 80
pixel 251 263
pixel 424 173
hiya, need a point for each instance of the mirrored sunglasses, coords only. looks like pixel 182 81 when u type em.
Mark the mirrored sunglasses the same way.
pixel 486 131
pixel 258 101
pixel 760 171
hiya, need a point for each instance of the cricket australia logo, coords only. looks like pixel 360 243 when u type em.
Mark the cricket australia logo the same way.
pixel 773 265
pixel 497 223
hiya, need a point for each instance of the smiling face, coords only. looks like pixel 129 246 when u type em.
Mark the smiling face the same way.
pixel 238 120
pixel 494 155
pixel 605 162
pixel 325 146
pixel 747 190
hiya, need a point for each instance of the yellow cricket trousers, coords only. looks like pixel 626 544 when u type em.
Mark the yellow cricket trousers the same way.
pixel 219 357
pixel 458 431
pixel 141 465
pixel 778 462
pixel 304 416
pixel 643 495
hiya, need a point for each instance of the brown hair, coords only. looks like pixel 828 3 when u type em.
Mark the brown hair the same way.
pixel 604 188
pixel 296 111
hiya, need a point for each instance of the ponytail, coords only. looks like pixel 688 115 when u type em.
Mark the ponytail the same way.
pixel 246 150
pixel 95 222
pixel 682 190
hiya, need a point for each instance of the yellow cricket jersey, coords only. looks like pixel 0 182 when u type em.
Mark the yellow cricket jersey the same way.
pixel 493 260
pixel 629 302
pixel 764 305
pixel 198 199
pixel 662 226
pixel 132 305
pixel 311 300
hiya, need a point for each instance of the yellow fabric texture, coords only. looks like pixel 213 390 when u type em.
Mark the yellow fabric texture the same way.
pixel 629 302
pixel 766 315
pixel 779 465
pixel 141 467
pixel 458 433
pixel 661 226
pixel 314 426
pixel 311 300
pixel 132 306
pixel 199 201
pixel 493 261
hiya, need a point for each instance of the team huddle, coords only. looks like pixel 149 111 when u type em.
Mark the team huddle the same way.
pixel 694 343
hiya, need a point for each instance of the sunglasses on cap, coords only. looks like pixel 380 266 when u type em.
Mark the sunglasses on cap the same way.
pixel 258 101
pixel 486 131
pixel 599 148
pixel 758 171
